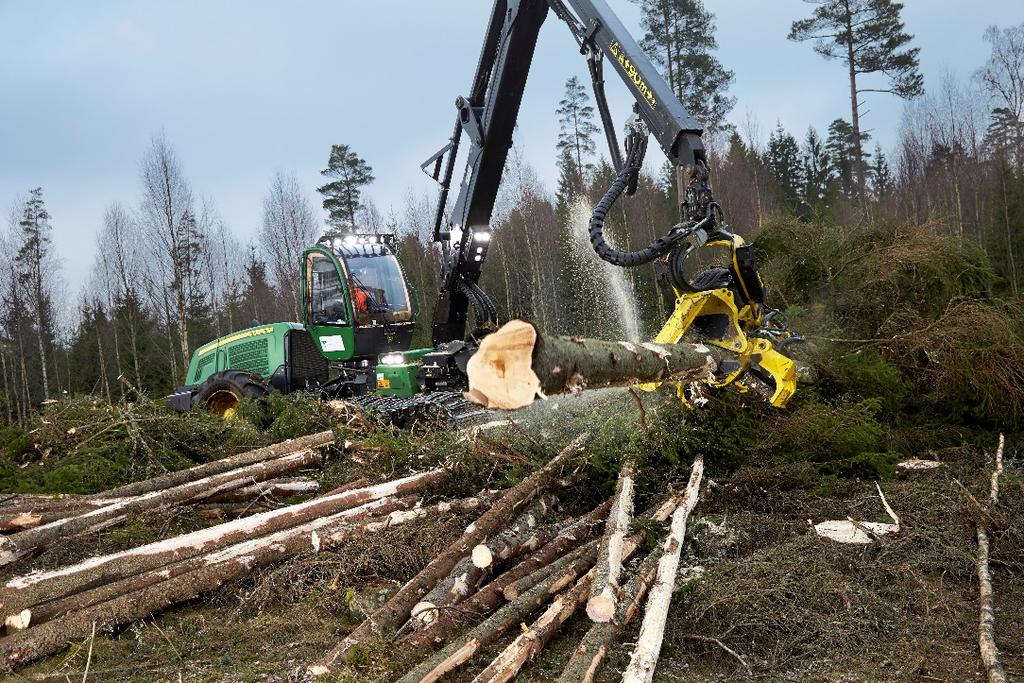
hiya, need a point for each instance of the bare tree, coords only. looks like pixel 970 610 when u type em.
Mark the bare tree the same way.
pixel 1003 80
pixel 121 270
pixel 168 218
pixel 289 226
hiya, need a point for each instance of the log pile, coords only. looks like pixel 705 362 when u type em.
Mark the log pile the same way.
pixel 41 611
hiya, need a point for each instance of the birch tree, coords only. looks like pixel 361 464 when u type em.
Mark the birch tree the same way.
pixel 168 221
pixel 289 226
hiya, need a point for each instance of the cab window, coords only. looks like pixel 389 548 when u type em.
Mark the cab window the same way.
pixel 326 304
pixel 378 288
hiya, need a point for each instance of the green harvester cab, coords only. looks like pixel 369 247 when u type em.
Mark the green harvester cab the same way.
pixel 358 321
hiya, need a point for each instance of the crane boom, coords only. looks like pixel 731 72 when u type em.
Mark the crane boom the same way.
pixel 488 114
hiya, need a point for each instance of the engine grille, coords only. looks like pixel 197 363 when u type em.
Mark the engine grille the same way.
pixel 202 365
pixel 251 356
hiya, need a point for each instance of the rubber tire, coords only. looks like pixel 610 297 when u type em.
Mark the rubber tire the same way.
pixel 221 385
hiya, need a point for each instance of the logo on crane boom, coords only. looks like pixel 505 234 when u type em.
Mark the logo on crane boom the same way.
pixel 627 66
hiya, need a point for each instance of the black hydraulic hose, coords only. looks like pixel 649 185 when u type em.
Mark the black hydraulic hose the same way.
pixel 627 259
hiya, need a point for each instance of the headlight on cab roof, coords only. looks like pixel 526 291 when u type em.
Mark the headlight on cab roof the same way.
pixel 392 359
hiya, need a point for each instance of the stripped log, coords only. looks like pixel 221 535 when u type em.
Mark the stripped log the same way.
pixel 37 587
pixel 460 650
pixel 468 572
pixel 219 567
pixel 19 544
pixel 179 477
pixel 652 630
pixel 589 655
pixel 281 487
pixel 354 484
pixel 604 591
pixel 492 596
pixel 516 363
pixel 229 510
pixel 396 611
pixel 77 601
pixel 986 613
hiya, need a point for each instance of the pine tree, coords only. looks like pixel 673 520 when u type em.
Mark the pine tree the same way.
pixel 868 37
pixel 818 179
pixel 571 184
pixel 881 175
pixel 350 175
pixel 31 259
pixel 576 127
pixel 784 160
pixel 679 36
pixel 842 145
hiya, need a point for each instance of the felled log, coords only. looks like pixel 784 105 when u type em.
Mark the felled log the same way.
pixel 470 571
pixel 46 611
pixel 986 613
pixel 396 611
pixel 589 655
pixel 219 567
pixel 281 487
pixel 518 362
pixel 19 544
pixel 492 596
pixel 229 510
pixel 652 629
pixel 460 650
pixel 604 591
pixel 31 589
pixel 176 478
pixel 354 484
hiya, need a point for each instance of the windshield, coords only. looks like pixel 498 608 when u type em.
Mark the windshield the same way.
pixel 378 287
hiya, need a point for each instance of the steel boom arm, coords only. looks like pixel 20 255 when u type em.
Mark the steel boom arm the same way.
pixel 488 115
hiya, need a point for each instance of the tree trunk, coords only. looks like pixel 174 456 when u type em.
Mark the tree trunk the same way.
pixel 104 382
pixel 36 587
pixel 282 487
pixel 986 620
pixel 588 656
pixel 46 611
pixel 652 630
pixel 492 596
pixel 21 543
pixel 858 147
pixel 215 570
pixel 209 469
pixel 460 651
pixel 396 610
pixel 7 386
pixel 604 592
pixel 1010 260
pixel 517 362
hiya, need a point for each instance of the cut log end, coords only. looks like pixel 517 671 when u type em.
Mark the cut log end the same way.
pixel 19 621
pixel 425 612
pixel 601 608
pixel 482 556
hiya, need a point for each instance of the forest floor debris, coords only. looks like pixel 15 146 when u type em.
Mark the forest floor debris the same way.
pixel 756 587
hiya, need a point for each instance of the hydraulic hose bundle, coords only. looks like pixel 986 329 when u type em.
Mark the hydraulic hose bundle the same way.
pixel 626 181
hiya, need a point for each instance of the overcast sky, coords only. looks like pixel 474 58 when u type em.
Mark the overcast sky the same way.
pixel 242 89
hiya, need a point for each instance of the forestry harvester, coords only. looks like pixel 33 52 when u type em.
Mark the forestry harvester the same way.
pixel 358 312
